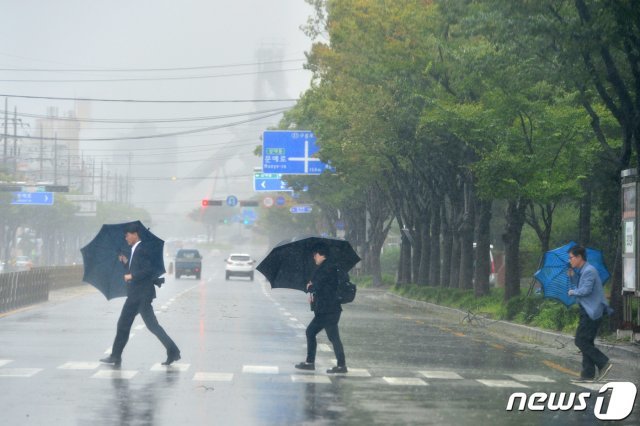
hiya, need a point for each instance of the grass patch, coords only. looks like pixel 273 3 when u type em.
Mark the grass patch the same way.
pixel 533 310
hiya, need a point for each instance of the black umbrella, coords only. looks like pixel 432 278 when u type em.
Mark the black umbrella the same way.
pixel 102 268
pixel 290 263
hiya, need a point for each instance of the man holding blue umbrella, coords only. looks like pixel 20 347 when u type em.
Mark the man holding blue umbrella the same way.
pixel 589 292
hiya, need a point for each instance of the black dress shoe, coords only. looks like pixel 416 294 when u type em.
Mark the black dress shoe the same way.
pixel 113 360
pixel 305 366
pixel 337 369
pixel 171 358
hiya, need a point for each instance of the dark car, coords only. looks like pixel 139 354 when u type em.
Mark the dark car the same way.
pixel 188 262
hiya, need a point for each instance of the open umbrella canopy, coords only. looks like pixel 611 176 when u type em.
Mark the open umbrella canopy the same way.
pixel 553 273
pixel 290 263
pixel 102 268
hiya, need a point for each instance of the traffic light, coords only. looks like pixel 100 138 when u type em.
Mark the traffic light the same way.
pixel 248 203
pixel 207 203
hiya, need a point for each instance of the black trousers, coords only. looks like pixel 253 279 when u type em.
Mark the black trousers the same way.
pixel 329 322
pixel 585 338
pixel 131 308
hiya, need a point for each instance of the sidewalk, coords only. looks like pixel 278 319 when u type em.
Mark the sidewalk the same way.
pixel 623 350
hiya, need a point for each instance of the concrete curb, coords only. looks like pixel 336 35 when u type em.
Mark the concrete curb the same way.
pixel 519 331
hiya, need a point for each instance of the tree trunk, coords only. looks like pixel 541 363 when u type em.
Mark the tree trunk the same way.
pixel 513 231
pixel 447 242
pixel 434 268
pixel 584 225
pixel 482 251
pixel 404 267
pixel 466 239
pixel 425 255
pixel 416 252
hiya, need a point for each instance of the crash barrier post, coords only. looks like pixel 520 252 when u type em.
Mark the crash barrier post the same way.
pixel 23 288
pixel 18 289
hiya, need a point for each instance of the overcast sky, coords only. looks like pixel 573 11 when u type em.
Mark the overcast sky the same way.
pixel 224 35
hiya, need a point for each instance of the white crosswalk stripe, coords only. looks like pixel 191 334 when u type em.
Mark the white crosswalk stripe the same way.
pixel 19 372
pixel 502 383
pixel 448 375
pixel 407 378
pixel 79 366
pixel 310 378
pixel 115 374
pixel 404 381
pixel 260 369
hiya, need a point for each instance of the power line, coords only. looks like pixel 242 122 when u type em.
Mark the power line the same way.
pixel 148 69
pixel 152 120
pixel 119 80
pixel 149 101
pixel 160 135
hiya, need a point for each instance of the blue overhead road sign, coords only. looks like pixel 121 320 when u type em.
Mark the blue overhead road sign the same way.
pixel 32 198
pixel 269 182
pixel 291 152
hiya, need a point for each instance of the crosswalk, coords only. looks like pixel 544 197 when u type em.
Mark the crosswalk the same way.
pixel 95 370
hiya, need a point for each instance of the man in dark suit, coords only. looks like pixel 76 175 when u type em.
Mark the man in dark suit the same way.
pixel 140 293
pixel 323 296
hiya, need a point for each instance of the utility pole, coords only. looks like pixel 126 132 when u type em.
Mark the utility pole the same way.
pixel 6 135
pixel 55 159
pixel 41 154
pixel 128 181
pixel 15 143
pixel 82 173
pixel 68 166
pixel 93 176
pixel 102 188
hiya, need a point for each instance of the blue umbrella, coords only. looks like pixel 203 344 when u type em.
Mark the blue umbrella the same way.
pixel 102 268
pixel 553 273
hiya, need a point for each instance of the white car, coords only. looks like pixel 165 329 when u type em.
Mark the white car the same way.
pixel 239 264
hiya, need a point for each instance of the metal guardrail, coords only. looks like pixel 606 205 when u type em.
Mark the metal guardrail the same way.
pixel 18 289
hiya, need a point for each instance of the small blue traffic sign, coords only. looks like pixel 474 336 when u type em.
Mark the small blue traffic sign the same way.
pixel 269 182
pixel 302 208
pixel 280 201
pixel 32 198
pixel 232 201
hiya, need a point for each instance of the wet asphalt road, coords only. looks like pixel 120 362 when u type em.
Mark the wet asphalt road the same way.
pixel 239 342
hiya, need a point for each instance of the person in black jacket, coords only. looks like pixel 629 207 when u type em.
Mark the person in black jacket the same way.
pixel 140 293
pixel 326 307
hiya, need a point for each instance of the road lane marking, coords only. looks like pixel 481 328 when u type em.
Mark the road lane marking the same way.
pixel 434 374
pixel 502 383
pixel 531 378
pixel 323 347
pixel 79 366
pixel 19 372
pixel 260 369
pixel 115 374
pixel 591 386
pixel 139 327
pixel 561 368
pixel 175 366
pixel 310 378
pixel 5 361
pixel 203 376
pixel 405 381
